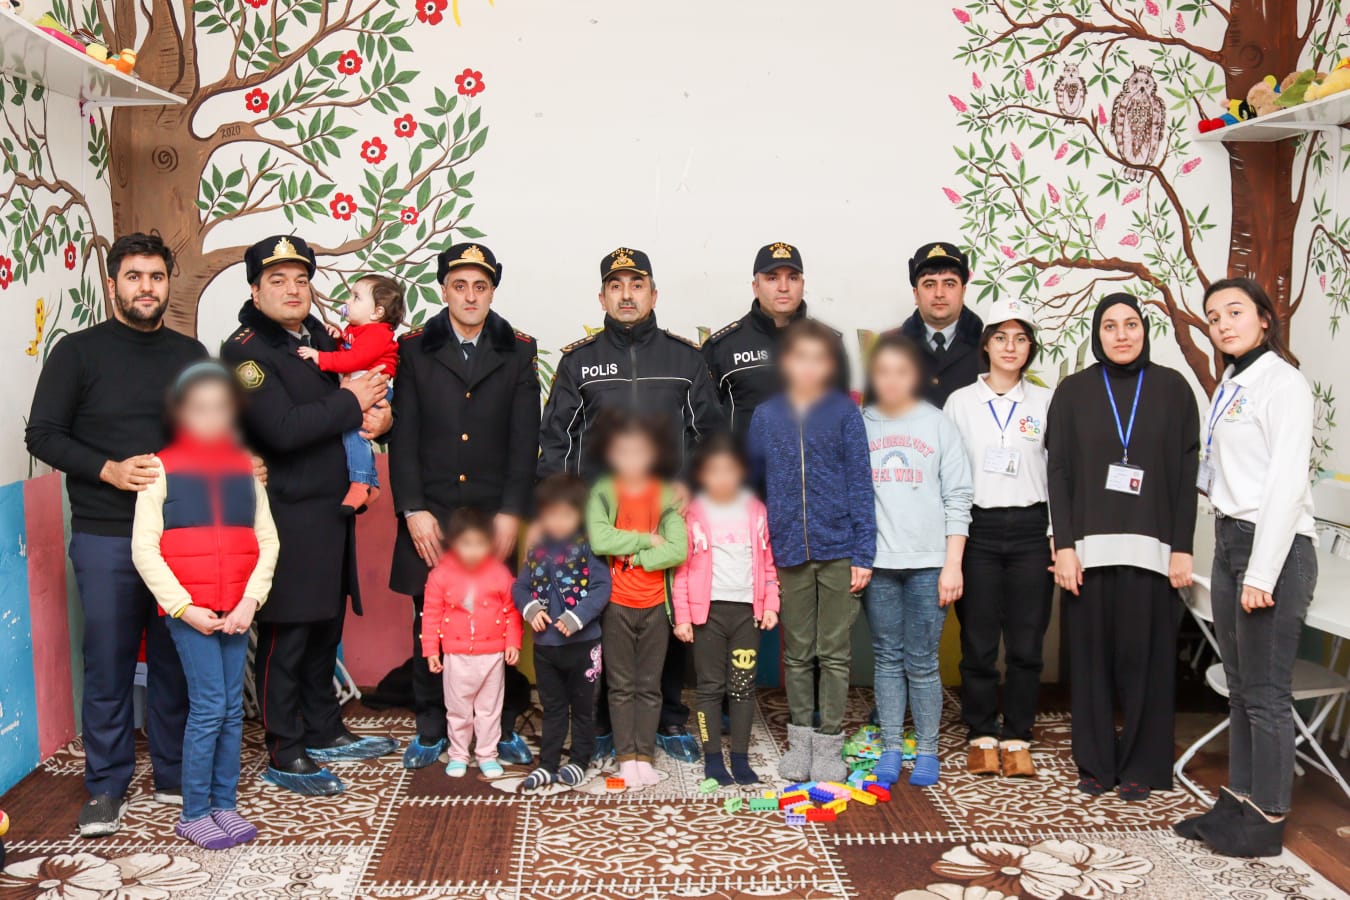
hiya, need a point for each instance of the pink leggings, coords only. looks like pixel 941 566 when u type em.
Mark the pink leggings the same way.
pixel 474 688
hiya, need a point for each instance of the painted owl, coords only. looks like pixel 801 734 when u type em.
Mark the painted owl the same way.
pixel 1070 90
pixel 1137 118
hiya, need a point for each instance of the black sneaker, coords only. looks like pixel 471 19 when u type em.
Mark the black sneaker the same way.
pixel 168 796
pixel 102 816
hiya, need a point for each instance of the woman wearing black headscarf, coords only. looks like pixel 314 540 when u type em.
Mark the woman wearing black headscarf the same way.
pixel 1123 438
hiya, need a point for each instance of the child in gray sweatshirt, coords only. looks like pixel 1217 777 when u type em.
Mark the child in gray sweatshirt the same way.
pixel 922 486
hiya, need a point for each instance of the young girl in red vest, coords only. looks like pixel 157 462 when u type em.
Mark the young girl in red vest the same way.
pixel 205 545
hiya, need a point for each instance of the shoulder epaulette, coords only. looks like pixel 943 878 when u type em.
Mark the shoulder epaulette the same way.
pixel 724 332
pixel 522 336
pixel 681 338
pixel 588 339
pixel 242 335
pixel 412 333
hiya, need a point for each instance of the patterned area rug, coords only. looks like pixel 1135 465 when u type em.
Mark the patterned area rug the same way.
pixel 398 834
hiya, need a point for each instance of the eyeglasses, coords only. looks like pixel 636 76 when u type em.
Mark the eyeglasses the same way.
pixel 1018 340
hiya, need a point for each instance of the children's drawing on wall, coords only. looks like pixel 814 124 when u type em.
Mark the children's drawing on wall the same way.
pixel 1082 120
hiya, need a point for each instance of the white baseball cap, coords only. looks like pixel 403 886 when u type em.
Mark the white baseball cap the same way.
pixel 1010 309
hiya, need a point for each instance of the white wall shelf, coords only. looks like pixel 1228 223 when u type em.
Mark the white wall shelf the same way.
pixel 26 52
pixel 1317 115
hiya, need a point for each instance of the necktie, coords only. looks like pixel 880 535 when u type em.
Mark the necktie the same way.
pixel 467 348
pixel 939 342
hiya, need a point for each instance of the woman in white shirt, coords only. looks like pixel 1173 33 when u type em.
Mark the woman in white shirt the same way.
pixel 1006 567
pixel 1256 453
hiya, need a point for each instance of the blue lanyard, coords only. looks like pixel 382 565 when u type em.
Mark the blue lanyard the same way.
pixel 1124 433
pixel 1002 426
pixel 1214 415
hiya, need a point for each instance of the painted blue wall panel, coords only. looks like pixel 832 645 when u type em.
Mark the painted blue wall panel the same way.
pixel 18 692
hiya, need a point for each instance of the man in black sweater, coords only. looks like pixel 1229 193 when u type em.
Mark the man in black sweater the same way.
pixel 98 416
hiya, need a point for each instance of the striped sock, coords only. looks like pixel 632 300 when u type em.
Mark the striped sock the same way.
pixel 240 830
pixel 205 833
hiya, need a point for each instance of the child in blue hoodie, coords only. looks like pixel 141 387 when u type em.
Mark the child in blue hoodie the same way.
pixel 808 452
pixel 560 592
pixel 923 487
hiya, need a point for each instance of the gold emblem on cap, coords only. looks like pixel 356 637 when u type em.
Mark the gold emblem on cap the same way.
pixel 781 250
pixel 621 259
pixel 473 254
pixel 284 247
pixel 937 251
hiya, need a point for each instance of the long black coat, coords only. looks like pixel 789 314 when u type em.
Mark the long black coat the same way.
pixel 466 433
pixel 294 417
pixel 958 366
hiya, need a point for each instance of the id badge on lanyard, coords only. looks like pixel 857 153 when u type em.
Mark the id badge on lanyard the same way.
pixel 1122 477
pixel 1002 460
pixel 1204 476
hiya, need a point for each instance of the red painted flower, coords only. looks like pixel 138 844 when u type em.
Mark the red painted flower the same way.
pixel 70 255
pixel 256 4
pixel 374 150
pixel 431 11
pixel 405 126
pixel 470 83
pixel 342 207
pixel 6 272
pixel 256 100
pixel 349 63
pixel 408 216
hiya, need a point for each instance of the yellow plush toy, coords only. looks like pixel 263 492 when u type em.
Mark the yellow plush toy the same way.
pixel 1335 83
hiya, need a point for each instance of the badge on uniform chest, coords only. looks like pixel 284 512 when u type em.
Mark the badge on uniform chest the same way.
pixel 1002 461
pixel 1125 479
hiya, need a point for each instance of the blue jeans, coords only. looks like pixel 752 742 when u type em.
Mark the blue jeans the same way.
pixel 214 665
pixel 906 622
pixel 360 455
pixel 118 609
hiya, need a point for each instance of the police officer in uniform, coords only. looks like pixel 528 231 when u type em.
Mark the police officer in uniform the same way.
pixel 742 357
pixel 948 332
pixel 632 364
pixel 466 433
pixel 294 416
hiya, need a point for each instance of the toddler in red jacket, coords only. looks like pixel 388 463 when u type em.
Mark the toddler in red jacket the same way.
pixel 468 616
pixel 375 309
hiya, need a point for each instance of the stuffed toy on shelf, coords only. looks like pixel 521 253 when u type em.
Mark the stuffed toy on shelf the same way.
pixel 1335 83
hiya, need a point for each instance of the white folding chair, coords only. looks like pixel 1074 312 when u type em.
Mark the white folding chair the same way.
pixel 1311 682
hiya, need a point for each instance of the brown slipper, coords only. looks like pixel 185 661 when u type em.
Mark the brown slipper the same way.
pixel 982 760
pixel 1017 763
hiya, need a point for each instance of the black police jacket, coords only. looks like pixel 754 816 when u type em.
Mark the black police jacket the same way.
pixel 466 433
pixel 294 417
pixel 743 361
pixel 959 365
pixel 628 367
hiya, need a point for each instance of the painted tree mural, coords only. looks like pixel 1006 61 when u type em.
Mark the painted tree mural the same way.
pixel 1081 116
pixel 298 85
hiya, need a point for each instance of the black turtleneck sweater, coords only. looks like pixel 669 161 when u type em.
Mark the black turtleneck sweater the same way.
pixel 101 397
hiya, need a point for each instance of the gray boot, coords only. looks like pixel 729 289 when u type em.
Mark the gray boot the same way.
pixel 827 757
pixel 795 765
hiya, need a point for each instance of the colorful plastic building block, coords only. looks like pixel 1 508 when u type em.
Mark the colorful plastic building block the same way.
pixel 708 786
pixel 821 794
pixel 763 804
pixel 614 784
pixel 838 806
pixel 792 798
pixel 879 792
pixel 732 804
pixel 865 798
pixel 799 786
pixel 794 819
pixel 769 795
pixel 821 815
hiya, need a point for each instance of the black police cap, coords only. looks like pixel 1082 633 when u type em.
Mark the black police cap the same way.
pixel 468 255
pixel 277 249
pixel 776 255
pixel 625 260
pixel 939 254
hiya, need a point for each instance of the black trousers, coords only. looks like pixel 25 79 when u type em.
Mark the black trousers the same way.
pixel 726 648
pixel 429 690
pixel 674 713
pixel 1008 595
pixel 293 674
pixel 568 678
pixel 1122 656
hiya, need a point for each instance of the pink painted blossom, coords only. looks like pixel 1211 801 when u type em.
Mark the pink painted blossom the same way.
pixel 1150 7
pixel 1052 281
pixel 975 81
pixel 1029 80
pixel 1016 152
pixel 1007 251
pixel 1130 240
pixel 1063 149
pixel 1322 280
pixel 1051 190
pixel 1101 114
pixel 961 15
pixel 957 102
pixel 1180 26
pixel 1131 195
pixel 952 195
pixel 1101 222
pixel 1190 165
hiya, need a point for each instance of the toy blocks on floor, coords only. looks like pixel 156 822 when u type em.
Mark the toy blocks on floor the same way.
pixel 879 792
pixel 763 804
pixel 838 805
pixel 792 798
pixel 708 786
pixel 794 819
pixel 865 798
pixel 821 815
pixel 732 804
pixel 615 784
